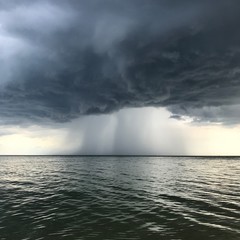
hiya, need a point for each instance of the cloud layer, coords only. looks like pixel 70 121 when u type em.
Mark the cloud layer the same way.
pixel 62 59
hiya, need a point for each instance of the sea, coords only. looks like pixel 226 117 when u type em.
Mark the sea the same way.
pixel 122 198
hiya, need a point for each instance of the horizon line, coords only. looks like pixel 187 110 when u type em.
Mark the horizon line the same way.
pixel 116 155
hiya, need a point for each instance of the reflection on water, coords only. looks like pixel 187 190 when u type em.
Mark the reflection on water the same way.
pixel 119 198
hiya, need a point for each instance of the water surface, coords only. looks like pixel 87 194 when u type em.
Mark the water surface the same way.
pixel 111 198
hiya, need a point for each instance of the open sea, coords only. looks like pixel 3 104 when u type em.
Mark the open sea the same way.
pixel 108 198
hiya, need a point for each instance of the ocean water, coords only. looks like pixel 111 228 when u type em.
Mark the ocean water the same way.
pixel 169 198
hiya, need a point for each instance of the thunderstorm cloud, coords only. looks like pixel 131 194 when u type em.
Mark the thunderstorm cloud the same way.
pixel 63 59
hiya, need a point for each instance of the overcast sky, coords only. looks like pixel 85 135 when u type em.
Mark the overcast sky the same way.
pixel 120 77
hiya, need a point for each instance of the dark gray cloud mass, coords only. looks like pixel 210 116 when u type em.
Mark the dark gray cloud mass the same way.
pixel 62 59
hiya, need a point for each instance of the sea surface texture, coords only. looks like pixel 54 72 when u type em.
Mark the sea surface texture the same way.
pixel 169 198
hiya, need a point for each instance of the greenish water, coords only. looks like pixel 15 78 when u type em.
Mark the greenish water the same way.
pixel 119 198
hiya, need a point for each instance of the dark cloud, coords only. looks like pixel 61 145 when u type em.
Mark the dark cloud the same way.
pixel 63 59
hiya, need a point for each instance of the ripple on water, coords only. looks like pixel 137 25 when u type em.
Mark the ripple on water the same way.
pixel 119 198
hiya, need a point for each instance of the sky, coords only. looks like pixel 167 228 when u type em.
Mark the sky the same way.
pixel 120 77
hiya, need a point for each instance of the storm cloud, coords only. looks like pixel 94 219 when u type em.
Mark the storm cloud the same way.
pixel 63 59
